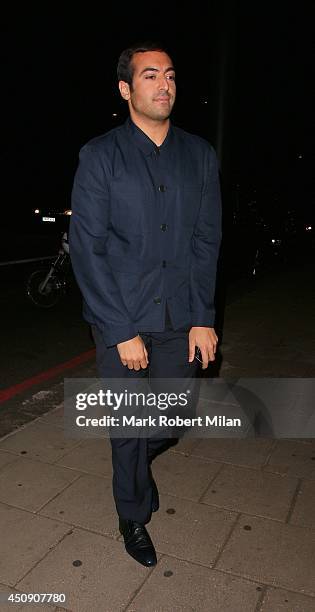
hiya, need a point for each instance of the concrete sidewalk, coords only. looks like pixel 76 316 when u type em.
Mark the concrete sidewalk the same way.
pixel 236 526
pixel 235 530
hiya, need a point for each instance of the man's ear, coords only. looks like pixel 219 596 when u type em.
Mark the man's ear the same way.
pixel 124 90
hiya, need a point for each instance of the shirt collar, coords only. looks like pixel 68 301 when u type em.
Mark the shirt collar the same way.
pixel 145 144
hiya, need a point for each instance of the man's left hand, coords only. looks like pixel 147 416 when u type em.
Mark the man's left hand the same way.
pixel 206 340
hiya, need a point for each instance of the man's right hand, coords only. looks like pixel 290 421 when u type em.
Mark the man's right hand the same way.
pixel 133 353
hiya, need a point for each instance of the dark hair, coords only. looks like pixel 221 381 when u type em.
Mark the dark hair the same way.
pixel 125 68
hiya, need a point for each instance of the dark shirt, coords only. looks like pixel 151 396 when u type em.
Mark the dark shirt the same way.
pixel 145 231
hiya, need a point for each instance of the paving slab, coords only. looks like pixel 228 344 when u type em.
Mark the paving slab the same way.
pixel 103 579
pixel 87 503
pixel 185 445
pixel 278 600
pixel 190 531
pixel 303 512
pixel 92 456
pixel 38 440
pixel 273 349
pixel 252 491
pixel 23 607
pixel 179 586
pixel 272 368
pixel 6 458
pixel 219 407
pixel 294 458
pixel 31 484
pixel 271 552
pixel 25 539
pixel 55 417
pixel 186 477
pixel 218 393
pixel 248 452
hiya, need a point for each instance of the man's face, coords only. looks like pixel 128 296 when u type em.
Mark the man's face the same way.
pixel 153 90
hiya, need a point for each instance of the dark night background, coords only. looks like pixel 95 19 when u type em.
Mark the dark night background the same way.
pixel 243 77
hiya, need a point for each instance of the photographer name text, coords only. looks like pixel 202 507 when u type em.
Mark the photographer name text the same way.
pixel 160 421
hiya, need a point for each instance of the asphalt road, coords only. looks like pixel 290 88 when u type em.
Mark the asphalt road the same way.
pixel 35 339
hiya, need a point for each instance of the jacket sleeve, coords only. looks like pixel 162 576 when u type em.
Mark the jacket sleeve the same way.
pixel 205 248
pixel 87 239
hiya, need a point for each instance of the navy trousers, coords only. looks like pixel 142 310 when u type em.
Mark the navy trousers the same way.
pixel 132 457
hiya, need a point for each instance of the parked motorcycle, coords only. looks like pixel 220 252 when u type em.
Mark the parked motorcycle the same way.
pixel 46 286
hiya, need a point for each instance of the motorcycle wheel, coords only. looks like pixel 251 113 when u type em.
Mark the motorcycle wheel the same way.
pixel 50 295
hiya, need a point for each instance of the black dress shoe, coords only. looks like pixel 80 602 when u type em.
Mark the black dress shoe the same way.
pixel 138 543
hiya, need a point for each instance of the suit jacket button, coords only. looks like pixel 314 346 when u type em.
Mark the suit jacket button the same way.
pixel 163 263
pixel 161 188
pixel 163 227
pixel 157 300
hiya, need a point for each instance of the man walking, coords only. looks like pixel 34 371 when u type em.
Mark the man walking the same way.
pixel 144 241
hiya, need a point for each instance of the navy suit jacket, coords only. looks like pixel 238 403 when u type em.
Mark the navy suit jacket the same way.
pixel 145 230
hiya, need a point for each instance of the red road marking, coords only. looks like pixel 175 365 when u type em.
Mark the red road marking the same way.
pixel 51 373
